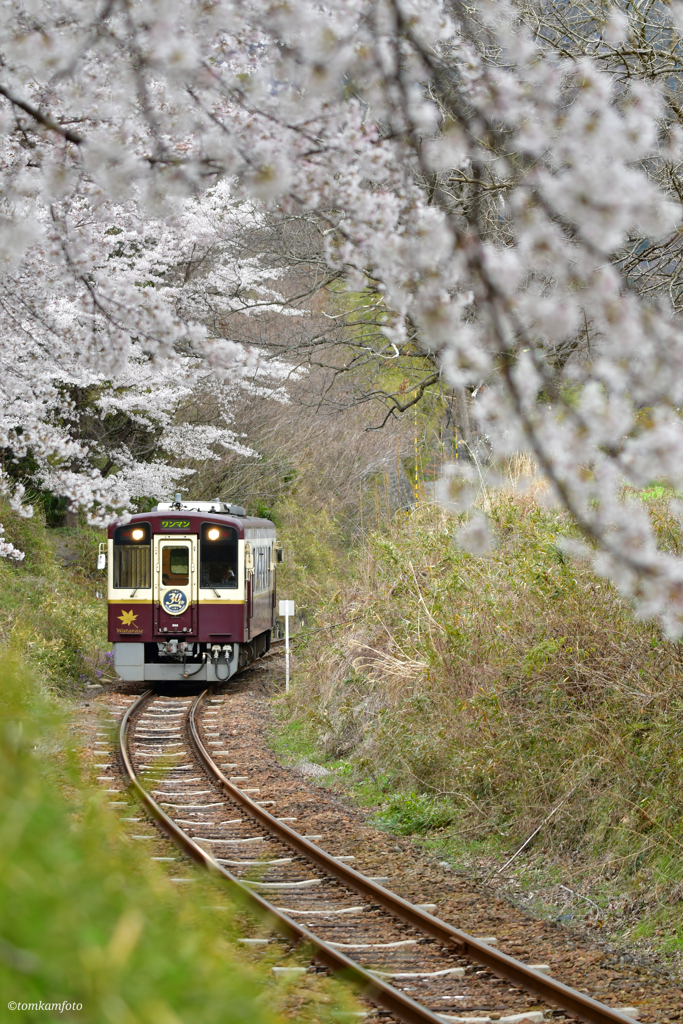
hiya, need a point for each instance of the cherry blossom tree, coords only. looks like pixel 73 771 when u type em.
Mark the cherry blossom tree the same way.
pixel 106 426
pixel 483 179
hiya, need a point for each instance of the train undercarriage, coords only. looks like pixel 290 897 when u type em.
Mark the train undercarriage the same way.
pixel 178 660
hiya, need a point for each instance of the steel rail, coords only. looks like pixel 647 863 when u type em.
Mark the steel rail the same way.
pixel 549 989
pixel 371 987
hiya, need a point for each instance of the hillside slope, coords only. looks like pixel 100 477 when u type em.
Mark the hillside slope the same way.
pixel 477 700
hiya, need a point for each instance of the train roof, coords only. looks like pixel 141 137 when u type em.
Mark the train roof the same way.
pixel 245 525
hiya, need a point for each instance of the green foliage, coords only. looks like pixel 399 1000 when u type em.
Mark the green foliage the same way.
pixel 265 511
pixel 315 553
pixel 30 536
pixel 658 493
pixel 655 493
pixel 87 917
pixel 50 617
pixel 542 653
pixel 412 813
pixel 295 740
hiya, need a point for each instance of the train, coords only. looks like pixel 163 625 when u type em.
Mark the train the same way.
pixel 191 591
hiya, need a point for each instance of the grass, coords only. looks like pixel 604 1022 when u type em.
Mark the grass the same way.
pixel 295 741
pixel 86 917
pixel 50 618
pixel 410 813
pixel 473 695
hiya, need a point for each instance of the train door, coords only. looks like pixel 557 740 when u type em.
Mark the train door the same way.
pixel 175 586
pixel 248 589
pixel 261 605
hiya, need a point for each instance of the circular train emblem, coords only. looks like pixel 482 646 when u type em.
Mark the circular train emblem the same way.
pixel 174 602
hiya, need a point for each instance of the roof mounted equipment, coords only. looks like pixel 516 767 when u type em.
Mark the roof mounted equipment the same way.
pixel 216 506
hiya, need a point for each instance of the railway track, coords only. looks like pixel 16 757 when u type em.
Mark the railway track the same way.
pixel 409 964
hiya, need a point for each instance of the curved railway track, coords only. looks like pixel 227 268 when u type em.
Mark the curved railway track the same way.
pixel 412 965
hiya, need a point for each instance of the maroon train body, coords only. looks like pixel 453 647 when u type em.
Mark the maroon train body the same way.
pixel 191 591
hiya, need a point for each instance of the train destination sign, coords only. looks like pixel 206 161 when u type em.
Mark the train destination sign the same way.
pixel 175 524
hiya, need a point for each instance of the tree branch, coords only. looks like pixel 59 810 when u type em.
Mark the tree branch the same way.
pixel 44 119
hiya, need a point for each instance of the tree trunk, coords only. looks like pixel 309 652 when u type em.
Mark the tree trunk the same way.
pixel 462 416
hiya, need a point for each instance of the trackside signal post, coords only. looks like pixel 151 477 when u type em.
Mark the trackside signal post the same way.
pixel 286 609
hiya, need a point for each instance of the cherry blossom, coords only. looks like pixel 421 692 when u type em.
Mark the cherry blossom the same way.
pixel 509 200
pixel 7 549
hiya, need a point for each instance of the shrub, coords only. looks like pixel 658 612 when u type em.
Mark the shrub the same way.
pixel 487 690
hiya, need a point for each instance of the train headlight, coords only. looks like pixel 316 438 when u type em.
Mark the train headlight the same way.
pixel 213 534
pixel 138 534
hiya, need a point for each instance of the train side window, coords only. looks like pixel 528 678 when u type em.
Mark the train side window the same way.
pixel 261 571
pixel 262 575
pixel 218 557
pixel 133 556
pixel 175 565
pixel 258 570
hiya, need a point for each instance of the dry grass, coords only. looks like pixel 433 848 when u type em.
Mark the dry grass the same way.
pixel 499 685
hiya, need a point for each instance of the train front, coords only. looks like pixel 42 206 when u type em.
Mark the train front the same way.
pixel 191 592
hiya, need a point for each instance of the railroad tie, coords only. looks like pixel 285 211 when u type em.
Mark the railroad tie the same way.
pixel 430 943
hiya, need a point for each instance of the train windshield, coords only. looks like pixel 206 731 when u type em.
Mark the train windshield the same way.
pixel 133 556
pixel 175 565
pixel 218 557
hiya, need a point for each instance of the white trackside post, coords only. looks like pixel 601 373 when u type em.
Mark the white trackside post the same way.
pixel 286 609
